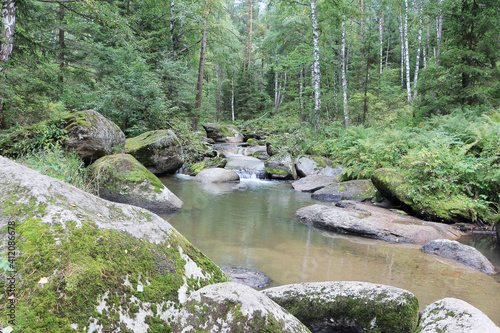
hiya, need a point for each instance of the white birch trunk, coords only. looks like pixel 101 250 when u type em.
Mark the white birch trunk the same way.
pixel 417 62
pixel 301 91
pixel 232 96
pixel 402 51
pixel 439 29
pixel 407 54
pixel 316 73
pixel 8 30
pixel 381 40
pixel 344 74
pixel 276 91
pixel 172 25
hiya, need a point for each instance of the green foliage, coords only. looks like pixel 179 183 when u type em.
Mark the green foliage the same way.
pixel 65 166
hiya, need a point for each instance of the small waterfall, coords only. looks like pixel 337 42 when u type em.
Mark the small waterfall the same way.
pixel 251 174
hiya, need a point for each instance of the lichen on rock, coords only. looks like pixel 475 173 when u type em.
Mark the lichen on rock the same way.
pixel 108 266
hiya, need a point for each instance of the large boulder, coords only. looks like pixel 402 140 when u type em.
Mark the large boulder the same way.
pixel 214 162
pixel 348 306
pixel 123 179
pixel 222 133
pixel 247 276
pixel 462 253
pixel 281 166
pixel 88 133
pixel 89 265
pixel 233 307
pixel 393 186
pixel 249 166
pixel 216 175
pixel 451 315
pixel 374 222
pixel 359 190
pixel 312 183
pixel 316 165
pixel 159 151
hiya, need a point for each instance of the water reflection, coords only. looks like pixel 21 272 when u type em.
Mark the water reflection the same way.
pixel 256 229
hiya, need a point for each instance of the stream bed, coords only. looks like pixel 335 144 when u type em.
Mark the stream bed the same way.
pixel 256 229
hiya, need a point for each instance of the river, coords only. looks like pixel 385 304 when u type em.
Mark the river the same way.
pixel 256 229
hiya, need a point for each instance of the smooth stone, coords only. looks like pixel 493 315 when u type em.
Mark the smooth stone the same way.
pixel 374 222
pixel 249 277
pixel 359 190
pixel 216 175
pixel 462 253
pixel 312 183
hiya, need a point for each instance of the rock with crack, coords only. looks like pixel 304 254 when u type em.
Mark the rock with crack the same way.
pixel 374 222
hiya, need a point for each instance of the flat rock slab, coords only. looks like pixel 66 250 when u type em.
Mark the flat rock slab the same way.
pixel 249 277
pixel 358 190
pixel 374 222
pixel 462 253
pixel 233 307
pixel 216 175
pixel 348 306
pixel 451 315
pixel 312 183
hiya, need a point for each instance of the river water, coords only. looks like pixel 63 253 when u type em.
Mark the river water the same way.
pixel 256 229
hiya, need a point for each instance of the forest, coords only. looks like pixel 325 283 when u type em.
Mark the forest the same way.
pixel 410 85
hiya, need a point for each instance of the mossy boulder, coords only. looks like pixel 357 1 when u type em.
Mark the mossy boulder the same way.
pixel 159 151
pixel 374 222
pixel 85 264
pixel 233 307
pixel 441 207
pixel 216 162
pixel 88 133
pixel 316 165
pixel 451 315
pixel 349 306
pixel 223 133
pixel 281 166
pixel 359 190
pixel 123 179
pixel 312 183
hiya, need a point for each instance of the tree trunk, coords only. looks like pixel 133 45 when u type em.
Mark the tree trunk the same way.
pixel 8 30
pixel 402 52
pixel 417 62
pixel 62 47
pixel 301 92
pixel 276 91
pixel 172 26
pixel 250 35
pixel 316 73
pixel 344 74
pixel 201 70
pixel 381 40
pixel 407 55
pixel 232 96
pixel 439 29
pixel 335 94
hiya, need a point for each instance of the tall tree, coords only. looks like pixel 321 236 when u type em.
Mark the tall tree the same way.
pixel 316 71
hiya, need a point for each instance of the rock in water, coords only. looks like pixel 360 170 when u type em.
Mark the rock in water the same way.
pixel 108 266
pixel 233 307
pixel 281 166
pixel 216 175
pixel 358 190
pixel 451 315
pixel 312 183
pixel 249 277
pixel 123 179
pixel 462 253
pixel 374 222
pixel 159 151
pixel 348 306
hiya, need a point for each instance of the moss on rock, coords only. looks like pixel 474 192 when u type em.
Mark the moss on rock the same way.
pixel 216 162
pixel 108 266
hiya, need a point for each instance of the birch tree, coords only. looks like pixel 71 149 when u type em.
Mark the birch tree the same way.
pixel 417 62
pixel 344 72
pixel 8 30
pixel 316 73
pixel 407 54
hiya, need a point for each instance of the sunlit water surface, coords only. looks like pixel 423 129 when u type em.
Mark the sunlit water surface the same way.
pixel 256 229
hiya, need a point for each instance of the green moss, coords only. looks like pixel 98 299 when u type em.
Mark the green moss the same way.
pixel 320 161
pixel 115 171
pixel 83 263
pixel 216 162
pixel 274 171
